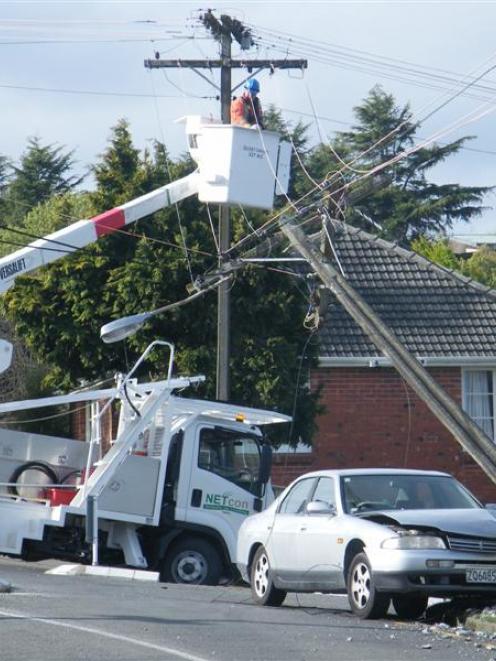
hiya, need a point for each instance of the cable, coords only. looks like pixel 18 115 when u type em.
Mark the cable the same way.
pixel 167 165
pixel 48 417
pixel 356 57
pixel 35 236
pixel 343 123
pixel 213 229
pixel 94 92
pixel 297 388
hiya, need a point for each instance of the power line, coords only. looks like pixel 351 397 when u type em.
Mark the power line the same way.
pixel 94 92
pixel 356 57
pixel 343 123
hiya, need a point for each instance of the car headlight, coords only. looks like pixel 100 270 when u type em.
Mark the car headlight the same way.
pixel 418 542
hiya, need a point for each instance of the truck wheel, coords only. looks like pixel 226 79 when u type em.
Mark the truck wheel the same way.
pixel 192 561
pixel 410 606
pixel 262 588
pixel 364 599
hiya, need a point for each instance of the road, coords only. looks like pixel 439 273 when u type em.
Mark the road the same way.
pixel 56 618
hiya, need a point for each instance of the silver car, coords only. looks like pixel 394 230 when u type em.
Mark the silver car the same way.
pixel 377 535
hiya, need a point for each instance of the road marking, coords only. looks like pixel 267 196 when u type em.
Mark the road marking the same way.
pixel 105 634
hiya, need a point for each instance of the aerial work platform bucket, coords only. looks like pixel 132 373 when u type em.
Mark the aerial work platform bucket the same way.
pixel 238 165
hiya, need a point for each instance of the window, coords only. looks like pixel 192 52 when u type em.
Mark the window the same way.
pixel 297 498
pixel 478 398
pixel 232 456
pixel 325 491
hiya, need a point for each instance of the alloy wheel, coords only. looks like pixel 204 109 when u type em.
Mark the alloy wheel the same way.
pixel 360 585
pixel 261 577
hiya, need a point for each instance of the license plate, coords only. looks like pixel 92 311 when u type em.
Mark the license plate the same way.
pixel 481 575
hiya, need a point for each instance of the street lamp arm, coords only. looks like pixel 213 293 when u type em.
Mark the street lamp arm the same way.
pixel 119 329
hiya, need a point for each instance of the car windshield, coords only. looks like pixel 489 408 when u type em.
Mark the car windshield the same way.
pixel 362 493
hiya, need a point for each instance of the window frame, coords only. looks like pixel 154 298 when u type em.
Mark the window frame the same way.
pixel 475 368
pixel 224 433
pixel 313 479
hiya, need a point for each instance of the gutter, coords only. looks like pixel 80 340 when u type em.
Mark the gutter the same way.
pixel 427 361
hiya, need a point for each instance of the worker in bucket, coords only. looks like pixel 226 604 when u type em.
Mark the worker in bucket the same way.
pixel 246 109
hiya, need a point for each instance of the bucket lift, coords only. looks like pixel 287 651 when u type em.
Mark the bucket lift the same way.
pixel 236 166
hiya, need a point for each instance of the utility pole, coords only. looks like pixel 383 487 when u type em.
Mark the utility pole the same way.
pixel 225 30
pixel 448 412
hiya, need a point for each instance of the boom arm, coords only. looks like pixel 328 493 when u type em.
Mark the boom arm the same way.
pixel 83 232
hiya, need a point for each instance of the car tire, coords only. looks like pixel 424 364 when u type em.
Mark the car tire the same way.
pixel 262 587
pixel 410 606
pixel 364 599
pixel 192 561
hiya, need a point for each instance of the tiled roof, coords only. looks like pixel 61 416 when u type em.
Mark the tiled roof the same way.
pixel 432 310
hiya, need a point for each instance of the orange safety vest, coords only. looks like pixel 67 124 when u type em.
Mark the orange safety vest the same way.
pixel 242 111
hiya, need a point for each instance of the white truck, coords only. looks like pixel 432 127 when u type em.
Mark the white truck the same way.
pixel 181 474
pixel 170 493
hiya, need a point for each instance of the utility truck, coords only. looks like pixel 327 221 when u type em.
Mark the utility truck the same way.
pixel 181 474
pixel 170 493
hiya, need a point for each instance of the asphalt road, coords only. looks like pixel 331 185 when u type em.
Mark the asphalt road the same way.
pixel 57 618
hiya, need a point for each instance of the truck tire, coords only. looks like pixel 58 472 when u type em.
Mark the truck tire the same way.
pixel 192 561
pixel 263 589
pixel 30 466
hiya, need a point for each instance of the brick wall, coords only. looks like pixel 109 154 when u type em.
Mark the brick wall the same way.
pixel 372 419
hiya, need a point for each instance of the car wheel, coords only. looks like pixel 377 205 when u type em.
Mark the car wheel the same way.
pixel 262 587
pixel 192 561
pixel 410 606
pixel 364 599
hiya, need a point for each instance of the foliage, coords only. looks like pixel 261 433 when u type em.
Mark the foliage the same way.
pixel 438 252
pixel 401 200
pixel 481 265
pixel 44 171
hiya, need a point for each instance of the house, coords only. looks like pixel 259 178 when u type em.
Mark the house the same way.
pixel 372 418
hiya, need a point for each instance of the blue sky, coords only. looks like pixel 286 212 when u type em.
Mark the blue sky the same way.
pixel 99 47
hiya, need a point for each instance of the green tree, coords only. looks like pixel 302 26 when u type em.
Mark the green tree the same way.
pixel 437 251
pixel 402 200
pixel 60 309
pixel 481 266
pixel 44 171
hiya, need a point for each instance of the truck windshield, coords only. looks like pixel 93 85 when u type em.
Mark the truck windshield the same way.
pixel 362 493
pixel 234 457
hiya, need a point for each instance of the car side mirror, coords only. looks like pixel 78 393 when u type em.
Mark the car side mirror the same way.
pixel 319 507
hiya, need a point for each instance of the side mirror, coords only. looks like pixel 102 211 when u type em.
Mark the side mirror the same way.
pixel 265 464
pixel 319 507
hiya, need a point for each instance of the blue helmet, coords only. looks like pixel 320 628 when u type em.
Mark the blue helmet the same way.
pixel 253 86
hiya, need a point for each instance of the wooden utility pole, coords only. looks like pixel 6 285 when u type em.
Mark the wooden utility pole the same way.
pixel 447 411
pixel 225 30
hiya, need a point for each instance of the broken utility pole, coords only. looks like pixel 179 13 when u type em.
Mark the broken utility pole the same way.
pixel 448 412
pixel 225 30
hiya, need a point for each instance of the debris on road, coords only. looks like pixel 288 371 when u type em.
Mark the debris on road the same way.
pixel 5 586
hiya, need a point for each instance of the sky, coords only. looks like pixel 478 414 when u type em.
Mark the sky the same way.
pixel 71 70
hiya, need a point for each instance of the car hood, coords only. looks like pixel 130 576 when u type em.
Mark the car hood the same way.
pixel 477 522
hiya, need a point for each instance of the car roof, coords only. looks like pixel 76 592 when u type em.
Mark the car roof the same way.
pixel 342 472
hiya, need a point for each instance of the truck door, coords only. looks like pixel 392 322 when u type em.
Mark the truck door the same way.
pixel 224 485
